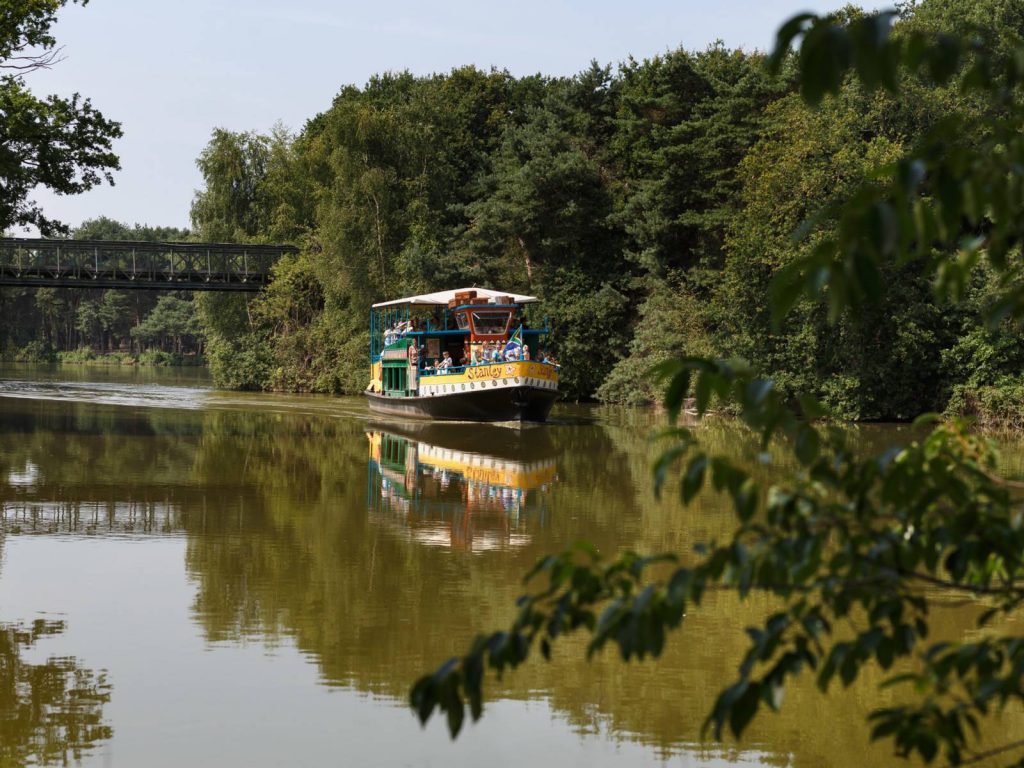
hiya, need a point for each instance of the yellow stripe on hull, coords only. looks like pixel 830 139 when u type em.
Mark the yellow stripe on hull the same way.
pixel 520 373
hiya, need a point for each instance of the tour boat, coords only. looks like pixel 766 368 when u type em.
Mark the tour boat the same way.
pixel 460 355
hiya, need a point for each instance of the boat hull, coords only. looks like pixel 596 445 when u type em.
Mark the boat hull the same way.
pixel 522 403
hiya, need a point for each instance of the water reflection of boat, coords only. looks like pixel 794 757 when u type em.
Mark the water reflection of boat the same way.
pixel 459 486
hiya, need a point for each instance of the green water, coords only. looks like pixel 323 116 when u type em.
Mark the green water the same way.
pixel 197 578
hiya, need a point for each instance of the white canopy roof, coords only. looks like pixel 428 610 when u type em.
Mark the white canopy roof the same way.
pixel 443 297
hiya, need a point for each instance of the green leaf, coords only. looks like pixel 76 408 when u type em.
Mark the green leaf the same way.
pixel 675 395
pixel 943 58
pixel 757 391
pixel 807 444
pixel 811 408
pixel 784 38
pixel 703 392
pixel 824 59
pixel 693 480
pixel 744 709
pixel 665 461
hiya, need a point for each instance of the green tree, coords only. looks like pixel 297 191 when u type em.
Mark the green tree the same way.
pixel 88 323
pixel 169 325
pixel 234 166
pixel 63 144
pixel 115 314
pixel 855 550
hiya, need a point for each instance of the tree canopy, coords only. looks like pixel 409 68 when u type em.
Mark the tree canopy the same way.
pixel 61 143
pixel 649 205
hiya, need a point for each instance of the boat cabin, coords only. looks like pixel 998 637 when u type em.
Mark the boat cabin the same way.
pixel 446 343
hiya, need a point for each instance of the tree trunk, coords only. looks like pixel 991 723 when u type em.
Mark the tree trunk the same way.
pixel 380 245
pixel 529 264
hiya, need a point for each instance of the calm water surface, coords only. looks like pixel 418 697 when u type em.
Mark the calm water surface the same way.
pixel 197 578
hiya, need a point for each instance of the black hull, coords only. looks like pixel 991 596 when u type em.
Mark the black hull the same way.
pixel 504 404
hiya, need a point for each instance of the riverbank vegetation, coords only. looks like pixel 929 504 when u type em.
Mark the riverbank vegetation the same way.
pixel 649 205
pixel 113 327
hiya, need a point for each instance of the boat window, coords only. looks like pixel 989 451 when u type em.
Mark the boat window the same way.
pixel 491 323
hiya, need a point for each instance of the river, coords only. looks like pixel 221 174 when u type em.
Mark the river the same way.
pixel 190 577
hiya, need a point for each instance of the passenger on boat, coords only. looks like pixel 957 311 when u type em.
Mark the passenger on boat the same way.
pixel 429 367
pixel 445 363
pixel 526 352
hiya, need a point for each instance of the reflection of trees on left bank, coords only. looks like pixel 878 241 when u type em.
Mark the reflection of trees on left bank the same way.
pixel 51 713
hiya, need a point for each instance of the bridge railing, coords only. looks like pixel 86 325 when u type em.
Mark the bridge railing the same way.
pixel 127 264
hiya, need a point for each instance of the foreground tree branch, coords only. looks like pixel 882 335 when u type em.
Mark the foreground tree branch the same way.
pixel 63 144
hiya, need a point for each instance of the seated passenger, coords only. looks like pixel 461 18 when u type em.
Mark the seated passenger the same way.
pixel 445 363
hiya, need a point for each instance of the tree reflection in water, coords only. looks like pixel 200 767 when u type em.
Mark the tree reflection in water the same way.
pixel 51 713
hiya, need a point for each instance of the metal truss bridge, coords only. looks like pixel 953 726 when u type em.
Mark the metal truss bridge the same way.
pixel 127 264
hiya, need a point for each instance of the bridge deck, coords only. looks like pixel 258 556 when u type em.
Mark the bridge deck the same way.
pixel 127 264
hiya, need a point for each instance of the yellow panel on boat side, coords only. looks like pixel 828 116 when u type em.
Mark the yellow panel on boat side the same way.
pixel 521 368
pixel 376 378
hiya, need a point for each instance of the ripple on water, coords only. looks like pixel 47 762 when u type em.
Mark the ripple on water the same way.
pixel 101 393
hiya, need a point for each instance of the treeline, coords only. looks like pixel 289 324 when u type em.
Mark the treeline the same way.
pixel 648 205
pixel 607 194
pixel 82 325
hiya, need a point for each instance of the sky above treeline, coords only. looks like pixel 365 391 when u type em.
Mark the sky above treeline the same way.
pixel 171 72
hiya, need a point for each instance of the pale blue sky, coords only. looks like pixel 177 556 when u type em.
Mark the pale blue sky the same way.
pixel 172 71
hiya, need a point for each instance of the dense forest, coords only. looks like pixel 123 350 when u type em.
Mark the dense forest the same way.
pixel 647 204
